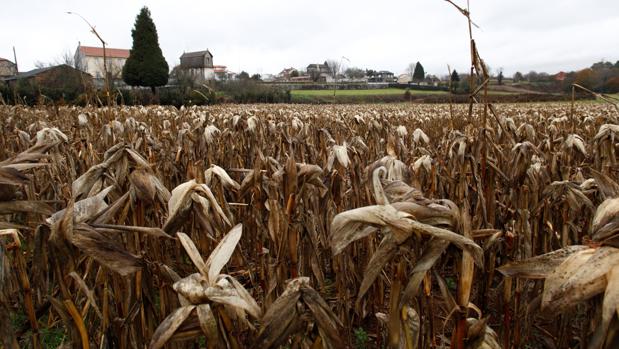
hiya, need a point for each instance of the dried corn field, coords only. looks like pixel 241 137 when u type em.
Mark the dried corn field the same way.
pixel 309 226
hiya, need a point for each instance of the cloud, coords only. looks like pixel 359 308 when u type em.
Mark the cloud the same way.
pixel 267 36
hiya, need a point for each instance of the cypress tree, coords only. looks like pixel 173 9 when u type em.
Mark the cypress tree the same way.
pixel 454 76
pixel 419 73
pixel 145 65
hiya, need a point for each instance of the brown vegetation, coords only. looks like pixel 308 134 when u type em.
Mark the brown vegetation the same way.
pixel 297 226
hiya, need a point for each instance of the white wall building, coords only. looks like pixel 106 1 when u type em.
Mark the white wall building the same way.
pixel 404 79
pixel 90 60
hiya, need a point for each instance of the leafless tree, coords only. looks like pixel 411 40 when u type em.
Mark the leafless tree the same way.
pixel 114 69
pixel 64 58
pixel 410 69
pixel 335 68
pixel 67 58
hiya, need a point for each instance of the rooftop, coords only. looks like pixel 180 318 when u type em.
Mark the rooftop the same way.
pixel 38 71
pixel 109 52
pixel 196 54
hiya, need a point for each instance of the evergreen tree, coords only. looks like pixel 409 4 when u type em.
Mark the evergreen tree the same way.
pixel 454 76
pixel 419 73
pixel 145 65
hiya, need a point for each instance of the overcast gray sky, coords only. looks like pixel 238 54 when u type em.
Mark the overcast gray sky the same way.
pixel 266 36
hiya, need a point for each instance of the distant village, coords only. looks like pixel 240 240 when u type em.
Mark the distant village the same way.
pixel 82 73
pixel 199 65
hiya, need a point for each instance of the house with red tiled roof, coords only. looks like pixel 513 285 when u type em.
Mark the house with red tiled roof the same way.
pixel 221 72
pixel 560 76
pixel 90 60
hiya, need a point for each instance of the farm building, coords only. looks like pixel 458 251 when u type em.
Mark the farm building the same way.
pixel 301 78
pixel 319 72
pixel 7 68
pixel 54 82
pixel 317 67
pixel 90 60
pixel 199 64
pixel 381 76
pixel 287 73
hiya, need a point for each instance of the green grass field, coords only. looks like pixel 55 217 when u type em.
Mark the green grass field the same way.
pixel 386 95
pixel 373 92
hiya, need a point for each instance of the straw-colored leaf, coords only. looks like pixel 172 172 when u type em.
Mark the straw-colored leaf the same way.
pixel 462 242
pixel 179 200
pixel 85 209
pixel 208 324
pixel 223 177
pixel 539 267
pixel 383 254
pixel 411 326
pixel 341 154
pixel 192 288
pixel 26 206
pixel 156 232
pixel 89 294
pixel 169 325
pixel 280 317
pixel 193 253
pixel 323 315
pixel 379 193
pixel 106 251
pixel 346 227
pixel 467 267
pixel 580 277
pixel 431 253
pixel 252 306
pixel 419 135
pixel 225 293
pixel 606 219
pixel 610 306
pixel 222 253
pixel 144 184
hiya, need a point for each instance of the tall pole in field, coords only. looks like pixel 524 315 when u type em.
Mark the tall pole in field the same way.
pixel 16 73
pixel 335 71
pixel 15 60
pixel 94 31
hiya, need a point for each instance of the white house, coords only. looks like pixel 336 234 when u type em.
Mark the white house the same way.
pixel 404 79
pixel 90 60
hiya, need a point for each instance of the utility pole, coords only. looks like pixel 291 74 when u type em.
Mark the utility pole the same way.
pixel 335 72
pixel 15 60
pixel 16 73
pixel 106 86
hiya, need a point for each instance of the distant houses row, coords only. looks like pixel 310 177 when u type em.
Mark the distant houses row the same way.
pixel 199 66
pixel 89 60
pixel 322 73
